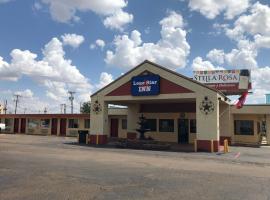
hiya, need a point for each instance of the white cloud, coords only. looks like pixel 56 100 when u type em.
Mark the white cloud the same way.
pixel 7 72
pixel 213 8
pixel 26 93
pixel 98 43
pixel 257 21
pixel 73 40
pixel 199 64
pixel 53 71
pixel 66 11
pixel 171 50
pixel 117 20
pixel 105 79
pixel 216 56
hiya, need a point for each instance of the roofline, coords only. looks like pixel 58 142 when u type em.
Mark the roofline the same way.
pixel 164 68
pixel 46 115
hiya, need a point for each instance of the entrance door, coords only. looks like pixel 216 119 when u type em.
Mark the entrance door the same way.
pixel 114 127
pixel 23 124
pixel 63 126
pixel 16 125
pixel 183 131
pixel 54 126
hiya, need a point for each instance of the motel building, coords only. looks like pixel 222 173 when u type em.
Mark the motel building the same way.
pixel 178 109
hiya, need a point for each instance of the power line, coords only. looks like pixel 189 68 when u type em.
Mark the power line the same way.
pixel 71 98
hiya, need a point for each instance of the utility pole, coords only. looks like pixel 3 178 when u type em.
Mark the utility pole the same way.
pixel 71 98
pixel 5 107
pixel 45 110
pixel 24 110
pixel 16 101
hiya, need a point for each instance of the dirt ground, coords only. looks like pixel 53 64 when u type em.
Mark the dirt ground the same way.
pixel 47 167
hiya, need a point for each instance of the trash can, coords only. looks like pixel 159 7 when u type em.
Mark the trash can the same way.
pixel 82 136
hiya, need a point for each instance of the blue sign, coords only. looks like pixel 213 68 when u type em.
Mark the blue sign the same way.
pixel 145 85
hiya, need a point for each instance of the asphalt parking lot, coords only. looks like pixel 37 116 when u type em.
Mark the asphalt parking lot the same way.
pixel 47 167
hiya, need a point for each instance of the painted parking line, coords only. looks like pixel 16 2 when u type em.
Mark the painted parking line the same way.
pixel 237 155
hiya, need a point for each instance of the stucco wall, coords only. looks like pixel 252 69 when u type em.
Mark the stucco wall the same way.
pixel 252 139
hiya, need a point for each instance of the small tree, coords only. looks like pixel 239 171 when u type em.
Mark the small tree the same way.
pixel 86 107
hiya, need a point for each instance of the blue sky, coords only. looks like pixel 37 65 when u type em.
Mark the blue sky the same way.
pixel 48 47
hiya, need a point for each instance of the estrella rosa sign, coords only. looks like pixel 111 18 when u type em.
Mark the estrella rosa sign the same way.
pixel 145 85
pixel 227 81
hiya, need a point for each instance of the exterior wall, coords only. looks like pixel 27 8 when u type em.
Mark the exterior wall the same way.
pixel 159 136
pixel 39 130
pixel 205 131
pixel 247 139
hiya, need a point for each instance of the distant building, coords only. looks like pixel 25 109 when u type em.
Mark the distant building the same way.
pixel 267 97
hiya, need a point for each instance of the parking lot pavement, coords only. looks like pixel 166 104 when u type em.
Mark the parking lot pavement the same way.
pixel 47 167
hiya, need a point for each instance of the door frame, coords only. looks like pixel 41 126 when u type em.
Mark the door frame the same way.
pixel 63 127
pixel 54 126
pixel 186 126
pixel 112 128
pixel 16 125
pixel 23 125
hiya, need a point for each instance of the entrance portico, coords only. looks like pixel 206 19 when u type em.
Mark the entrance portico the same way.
pixel 176 97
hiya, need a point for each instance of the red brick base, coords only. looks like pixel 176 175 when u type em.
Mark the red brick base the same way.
pixel 131 135
pixel 102 139
pixel 205 145
pixel 222 138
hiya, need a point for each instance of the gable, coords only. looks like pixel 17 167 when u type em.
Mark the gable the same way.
pixel 175 83
pixel 166 87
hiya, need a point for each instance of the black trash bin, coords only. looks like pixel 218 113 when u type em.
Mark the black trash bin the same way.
pixel 82 136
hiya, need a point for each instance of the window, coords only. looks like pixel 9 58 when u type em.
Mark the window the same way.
pixel 45 123
pixel 166 125
pixel 73 123
pixel 86 123
pixel 151 124
pixel 243 127
pixel 124 124
pixel 33 123
pixel 192 125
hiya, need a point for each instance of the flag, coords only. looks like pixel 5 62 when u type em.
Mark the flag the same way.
pixel 241 100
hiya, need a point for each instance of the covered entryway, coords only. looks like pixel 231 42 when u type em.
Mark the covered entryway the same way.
pixel 163 97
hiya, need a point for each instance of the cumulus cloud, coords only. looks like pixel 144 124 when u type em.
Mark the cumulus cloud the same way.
pixel 53 71
pixel 25 93
pixel 213 8
pixel 171 50
pixel 216 56
pixel 105 79
pixel 66 11
pixel 257 21
pixel 199 64
pixel 73 40
pixel 117 20
pixel 99 43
